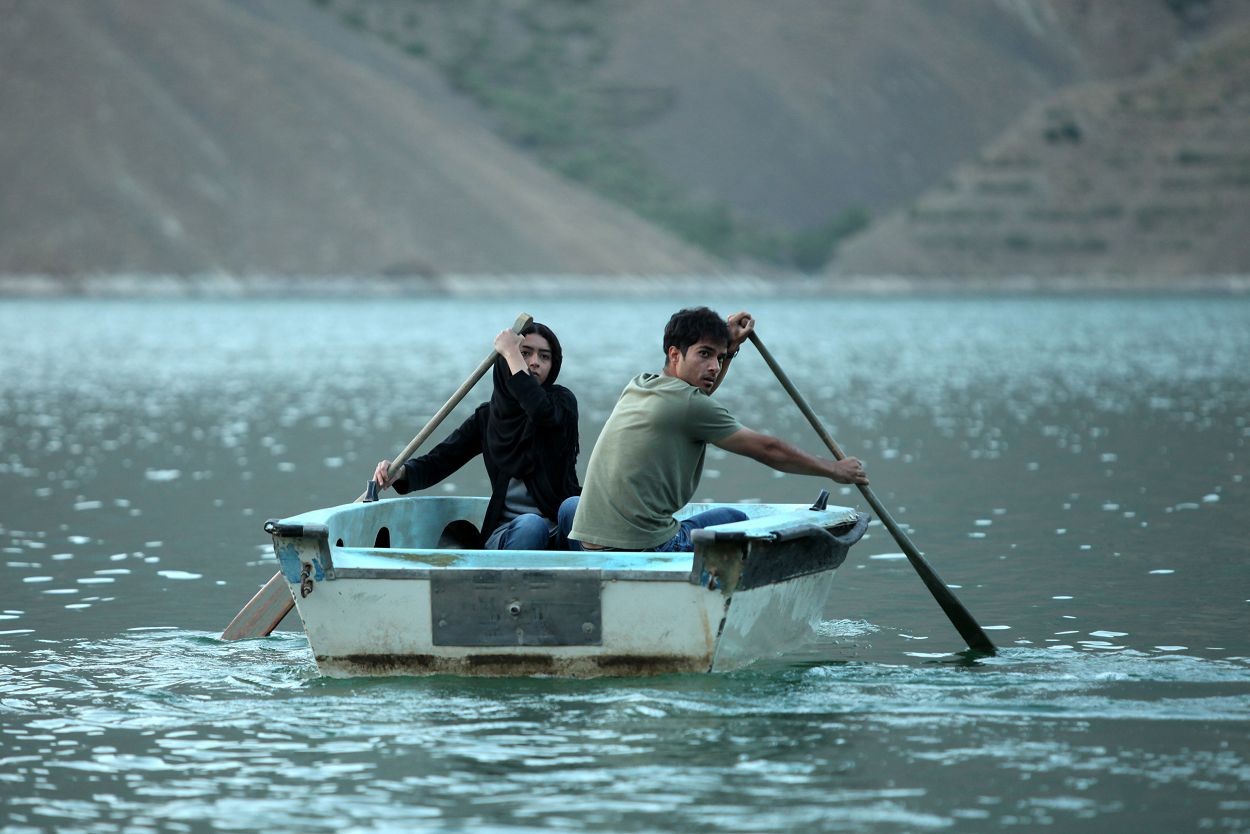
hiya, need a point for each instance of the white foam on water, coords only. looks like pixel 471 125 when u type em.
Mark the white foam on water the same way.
pixel 845 628
pixel 179 574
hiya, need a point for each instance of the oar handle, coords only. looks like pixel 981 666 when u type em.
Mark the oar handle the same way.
pixel 522 321
pixel 959 616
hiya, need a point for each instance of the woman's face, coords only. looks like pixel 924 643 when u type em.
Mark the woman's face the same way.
pixel 536 352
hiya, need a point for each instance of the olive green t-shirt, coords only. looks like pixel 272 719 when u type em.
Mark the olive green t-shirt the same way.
pixel 647 462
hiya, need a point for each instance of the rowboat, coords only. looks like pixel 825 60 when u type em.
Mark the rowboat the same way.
pixel 394 587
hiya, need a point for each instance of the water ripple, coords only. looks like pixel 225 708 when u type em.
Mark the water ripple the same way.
pixel 1075 469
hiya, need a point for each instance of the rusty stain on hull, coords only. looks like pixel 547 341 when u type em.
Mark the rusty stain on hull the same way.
pixel 512 665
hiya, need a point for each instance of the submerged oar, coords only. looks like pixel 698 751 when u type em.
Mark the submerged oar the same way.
pixel 963 621
pixel 272 602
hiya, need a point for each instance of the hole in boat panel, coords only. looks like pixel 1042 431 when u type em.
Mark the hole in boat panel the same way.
pixel 338 543
pixel 459 535
pixel 383 539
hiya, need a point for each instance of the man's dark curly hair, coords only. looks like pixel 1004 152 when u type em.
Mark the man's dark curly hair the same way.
pixel 693 325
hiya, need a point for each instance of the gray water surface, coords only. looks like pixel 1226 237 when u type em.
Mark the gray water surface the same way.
pixel 1074 467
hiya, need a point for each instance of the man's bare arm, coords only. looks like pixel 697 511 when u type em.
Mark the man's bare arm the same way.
pixel 786 457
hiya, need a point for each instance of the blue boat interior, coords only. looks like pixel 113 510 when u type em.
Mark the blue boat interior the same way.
pixel 431 532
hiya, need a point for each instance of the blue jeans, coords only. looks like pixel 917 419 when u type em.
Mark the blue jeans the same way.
pixel 528 531
pixel 531 531
pixel 680 543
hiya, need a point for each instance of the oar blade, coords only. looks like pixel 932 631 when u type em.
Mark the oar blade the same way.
pixel 961 618
pixel 263 612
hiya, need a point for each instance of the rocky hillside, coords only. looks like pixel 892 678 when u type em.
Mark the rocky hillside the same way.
pixel 1148 177
pixel 612 136
pixel 770 130
pixel 184 137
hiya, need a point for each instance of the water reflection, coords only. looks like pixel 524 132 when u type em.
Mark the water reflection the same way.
pixel 175 726
pixel 1074 467
pixel 1038 450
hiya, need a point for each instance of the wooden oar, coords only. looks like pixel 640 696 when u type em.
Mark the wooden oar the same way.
pixel 272 602
pixel 963 621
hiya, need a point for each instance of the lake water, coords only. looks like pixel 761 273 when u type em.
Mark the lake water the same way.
pixel 1076 467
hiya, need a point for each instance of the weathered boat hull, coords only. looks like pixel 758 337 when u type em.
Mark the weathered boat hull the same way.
pixel 411 608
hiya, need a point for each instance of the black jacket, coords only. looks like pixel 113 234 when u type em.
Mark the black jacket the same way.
pixel 553 413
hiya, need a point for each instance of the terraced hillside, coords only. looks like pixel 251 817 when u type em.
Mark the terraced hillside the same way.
pixel 1149 177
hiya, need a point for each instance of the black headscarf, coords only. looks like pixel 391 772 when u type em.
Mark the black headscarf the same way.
pixel 509 433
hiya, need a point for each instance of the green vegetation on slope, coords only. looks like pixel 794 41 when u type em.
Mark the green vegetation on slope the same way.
pixel 530 65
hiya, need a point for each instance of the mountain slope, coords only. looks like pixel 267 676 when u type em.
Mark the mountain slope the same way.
pixel 770 130
pixel 795 111
pixel 186 137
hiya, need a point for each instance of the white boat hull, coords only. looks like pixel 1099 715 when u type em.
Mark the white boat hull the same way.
pixel 750 590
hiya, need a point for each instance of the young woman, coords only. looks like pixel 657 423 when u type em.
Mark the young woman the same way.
pixel 527 437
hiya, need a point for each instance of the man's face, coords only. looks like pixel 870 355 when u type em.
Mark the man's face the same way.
pixel 700 365
pixel 536 352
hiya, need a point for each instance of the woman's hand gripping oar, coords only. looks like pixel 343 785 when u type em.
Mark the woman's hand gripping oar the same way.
pixel 265 611
pixel 963 621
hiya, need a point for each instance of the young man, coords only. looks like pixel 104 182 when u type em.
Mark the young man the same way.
pixel 648 460
pixel 527 437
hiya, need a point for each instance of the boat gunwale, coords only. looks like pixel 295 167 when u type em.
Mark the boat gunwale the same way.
pixel 317 522
pixel 412 563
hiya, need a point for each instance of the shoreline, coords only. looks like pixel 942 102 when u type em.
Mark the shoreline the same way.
pixel 224 286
